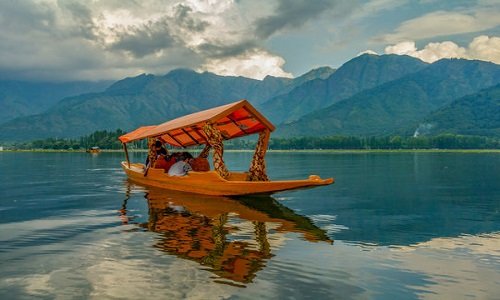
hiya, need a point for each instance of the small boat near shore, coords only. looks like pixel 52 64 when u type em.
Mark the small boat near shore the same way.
pixel 94 150
pixel 210 128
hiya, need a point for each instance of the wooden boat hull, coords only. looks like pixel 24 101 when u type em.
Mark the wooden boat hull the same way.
pixel 210 183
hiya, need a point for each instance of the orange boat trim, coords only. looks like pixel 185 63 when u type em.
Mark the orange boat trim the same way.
pixel 210 183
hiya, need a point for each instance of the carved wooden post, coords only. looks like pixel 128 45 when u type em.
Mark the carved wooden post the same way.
pixel 151 155
pixel 257 170
pixel 204 153
pixel 215 140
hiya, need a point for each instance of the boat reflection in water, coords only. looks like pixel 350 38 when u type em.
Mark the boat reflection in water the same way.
pixel 233 238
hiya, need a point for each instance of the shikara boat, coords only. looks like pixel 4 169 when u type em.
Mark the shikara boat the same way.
pixel 94 150
pixel 210 128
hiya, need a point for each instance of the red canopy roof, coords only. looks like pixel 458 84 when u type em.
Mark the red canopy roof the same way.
pixel 232 120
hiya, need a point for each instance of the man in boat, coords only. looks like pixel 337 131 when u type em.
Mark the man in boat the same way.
pixel 165 162
pixel 181 167
pixel 157 149
pixel 200 164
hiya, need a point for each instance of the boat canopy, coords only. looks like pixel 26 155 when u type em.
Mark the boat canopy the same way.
pixel 231 120
pixel 132 136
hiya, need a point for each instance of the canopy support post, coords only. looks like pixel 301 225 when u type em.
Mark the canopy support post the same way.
pixel 151 155
pixel 205 152
pixel 126 154
pixel 215 140
pixel 257 170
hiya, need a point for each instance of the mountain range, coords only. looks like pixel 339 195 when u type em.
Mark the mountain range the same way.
pixel 21 98
pixel 146 99
pixel 368 95
pixel 361 73
pixel 398 106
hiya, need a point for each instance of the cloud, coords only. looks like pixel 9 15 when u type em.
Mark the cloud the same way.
pixel 79 18
pixel 481 48
pixel 367 52
pixel 67 40
pixel 444 23
pixel 431 52
pixel 221 50
pixel 485 48
pixel 255 64
pixel 374 7
pixel 291 14
pixel 183 17
pixel 112 39
pixel 144 40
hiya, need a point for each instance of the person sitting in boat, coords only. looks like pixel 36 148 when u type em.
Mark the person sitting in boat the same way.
pixel 157 149
pixel 160 149
pixel 182 167
pixel 177 156
pixel 200 164
pixel 165 162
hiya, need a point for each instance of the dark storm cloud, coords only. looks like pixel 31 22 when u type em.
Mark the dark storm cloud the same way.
pixel 23 15
pixel 155 36
pixel 82 16
pixel 291 14
pixel 184 19
pixel 144 40
pixel 216 50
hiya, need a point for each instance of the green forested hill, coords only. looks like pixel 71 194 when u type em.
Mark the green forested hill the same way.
pixel 477 114
pixel 397 105
pixel 361 73
pixel 141 100
pixel 371 95
pixel 22 98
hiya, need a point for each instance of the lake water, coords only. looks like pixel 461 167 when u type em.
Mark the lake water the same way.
pixel 393 226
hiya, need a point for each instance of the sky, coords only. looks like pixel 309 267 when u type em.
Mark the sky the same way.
pixel 65 40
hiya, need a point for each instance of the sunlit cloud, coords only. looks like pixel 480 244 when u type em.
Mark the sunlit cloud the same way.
pixel 256 64
pixel 431 52
pixel 367 52
pixel 485 48
pixel 481 48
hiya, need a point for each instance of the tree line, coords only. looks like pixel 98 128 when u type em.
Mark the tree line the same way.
pixel 443 141
pixel 102 138
pixel 109 140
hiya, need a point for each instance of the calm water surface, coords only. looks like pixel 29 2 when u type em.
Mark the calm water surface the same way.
pixel 393 226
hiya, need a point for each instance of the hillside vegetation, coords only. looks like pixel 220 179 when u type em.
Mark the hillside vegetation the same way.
pixel 369 95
